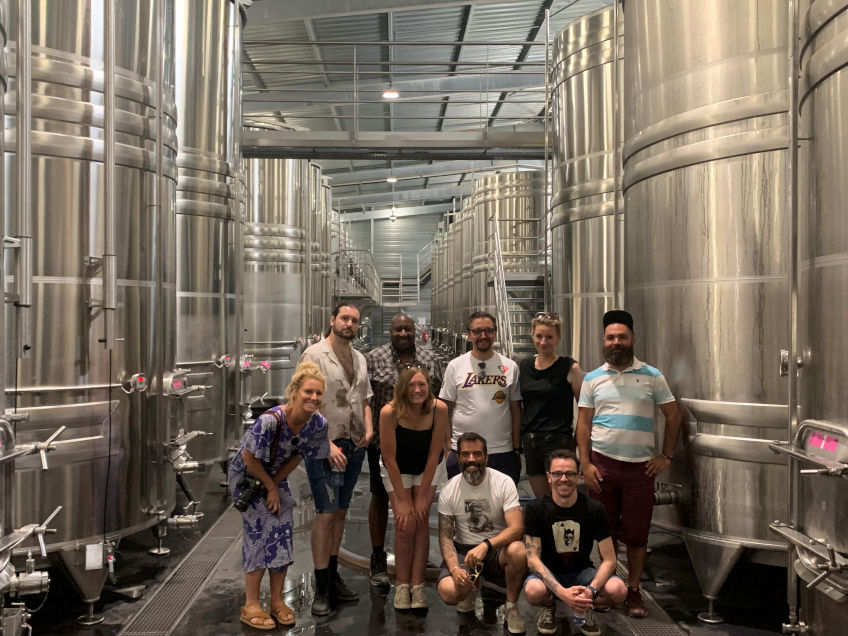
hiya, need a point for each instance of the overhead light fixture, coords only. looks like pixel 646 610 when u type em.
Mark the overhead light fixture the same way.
pixel 393 216
pixel 390 93
pixel 391 179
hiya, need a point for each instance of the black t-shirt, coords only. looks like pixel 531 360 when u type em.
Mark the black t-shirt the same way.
pixel 567 534
pixel 546 396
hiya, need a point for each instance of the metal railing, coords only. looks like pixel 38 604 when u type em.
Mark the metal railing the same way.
pixel 357 275
pixel 501 299
pixel 401 286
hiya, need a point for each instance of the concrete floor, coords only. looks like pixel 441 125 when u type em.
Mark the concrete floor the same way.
pixel 753 600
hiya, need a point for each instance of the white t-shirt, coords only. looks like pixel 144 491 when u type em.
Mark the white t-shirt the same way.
pixel 482 407
pixel 479 510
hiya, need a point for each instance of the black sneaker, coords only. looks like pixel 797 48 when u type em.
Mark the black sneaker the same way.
pixel 379 574
pixel 339 591
pixel 320 604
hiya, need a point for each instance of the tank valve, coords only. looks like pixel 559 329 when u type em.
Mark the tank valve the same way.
pixel 224 362
pixel 136 384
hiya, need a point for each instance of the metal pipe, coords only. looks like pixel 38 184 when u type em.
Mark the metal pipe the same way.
pixel 440 63
pixel 355 43
pixel 792 185
pixel 546 286
pixel 109 270
pixel 160 406
pixel 617 131
pixel 355 95
pixel 23 150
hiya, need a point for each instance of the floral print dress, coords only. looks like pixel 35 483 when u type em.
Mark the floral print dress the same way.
pixel 267 538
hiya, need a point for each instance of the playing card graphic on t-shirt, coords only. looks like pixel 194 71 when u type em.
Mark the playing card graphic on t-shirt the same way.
pixel 478 515
pixel 566 536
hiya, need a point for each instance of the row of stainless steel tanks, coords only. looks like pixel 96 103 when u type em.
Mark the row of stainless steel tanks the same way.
pixel 500 223
pixel 157 286
pixel 698 180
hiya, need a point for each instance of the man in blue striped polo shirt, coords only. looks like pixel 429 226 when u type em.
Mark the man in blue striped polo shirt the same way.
pixel 615 435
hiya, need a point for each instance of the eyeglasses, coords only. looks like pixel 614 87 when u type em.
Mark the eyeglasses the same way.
pixel 558 475
pixel 479 331
pixel 481 374
pixel 548 315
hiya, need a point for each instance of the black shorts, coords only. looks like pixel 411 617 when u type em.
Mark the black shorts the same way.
pixel 492 571
pixel 376 481
pixel 537 446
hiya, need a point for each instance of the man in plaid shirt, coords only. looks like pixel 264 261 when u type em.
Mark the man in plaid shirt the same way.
pixel 384 366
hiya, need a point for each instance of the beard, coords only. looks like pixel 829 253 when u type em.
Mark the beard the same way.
pixel 340 333
pixel 618 356
pixel 473 477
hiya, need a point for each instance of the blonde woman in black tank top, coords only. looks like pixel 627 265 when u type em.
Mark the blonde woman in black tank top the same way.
pixel 412 430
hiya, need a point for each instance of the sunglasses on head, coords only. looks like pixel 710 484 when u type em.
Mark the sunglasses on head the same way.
pixel 549 315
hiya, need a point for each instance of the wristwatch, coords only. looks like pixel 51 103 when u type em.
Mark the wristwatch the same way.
pixel 593 590
pixel 518 449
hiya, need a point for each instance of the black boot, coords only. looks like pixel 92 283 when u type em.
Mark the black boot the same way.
pixel 339 591
pixel 321 601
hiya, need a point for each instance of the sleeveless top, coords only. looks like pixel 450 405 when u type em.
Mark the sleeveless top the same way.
pixel 412 447
pixel 547 397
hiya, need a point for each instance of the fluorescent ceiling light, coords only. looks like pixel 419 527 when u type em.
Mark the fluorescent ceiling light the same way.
pixel 391 179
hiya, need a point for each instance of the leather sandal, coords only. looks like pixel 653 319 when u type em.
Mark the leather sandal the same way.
pixel 257 615
pixel 284 615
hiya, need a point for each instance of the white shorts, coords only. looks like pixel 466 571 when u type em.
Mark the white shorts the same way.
pixel 439 477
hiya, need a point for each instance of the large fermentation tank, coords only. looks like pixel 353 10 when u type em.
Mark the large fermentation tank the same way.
pixel 466 233
pixel 706 267
pixel 110 471
pixel 208 233
pixel 516 200
pixel 584 231
pixel 276 281
pixel 821 516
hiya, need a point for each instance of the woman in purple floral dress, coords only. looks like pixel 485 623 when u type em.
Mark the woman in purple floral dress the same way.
pixel 270 450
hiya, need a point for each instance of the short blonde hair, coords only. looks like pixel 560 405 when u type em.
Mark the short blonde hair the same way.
pixel 547 321
pixel 400 401
pixel 306 370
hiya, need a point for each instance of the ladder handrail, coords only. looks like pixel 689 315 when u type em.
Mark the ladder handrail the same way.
pixel 499 282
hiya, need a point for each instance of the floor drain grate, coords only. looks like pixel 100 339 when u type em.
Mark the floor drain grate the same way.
pixel 166 606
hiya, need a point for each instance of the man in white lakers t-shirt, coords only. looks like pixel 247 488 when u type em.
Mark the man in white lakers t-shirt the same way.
pixel 481 389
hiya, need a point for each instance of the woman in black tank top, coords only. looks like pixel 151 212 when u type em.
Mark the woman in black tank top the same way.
pixel 412 433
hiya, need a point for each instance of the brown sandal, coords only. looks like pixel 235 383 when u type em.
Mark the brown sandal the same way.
pixel 284 615
pixel 248 617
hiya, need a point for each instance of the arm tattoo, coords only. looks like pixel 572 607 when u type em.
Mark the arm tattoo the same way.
pixel 446 533
pixel 534 560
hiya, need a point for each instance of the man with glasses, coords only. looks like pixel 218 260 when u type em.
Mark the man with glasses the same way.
pixel 384 366
pixel 481 389
pixel 347 408
pixel 560 530
pixel 615 435
pixel 480 527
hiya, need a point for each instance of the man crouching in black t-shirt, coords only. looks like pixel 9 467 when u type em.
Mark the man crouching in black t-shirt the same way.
pixel 559 530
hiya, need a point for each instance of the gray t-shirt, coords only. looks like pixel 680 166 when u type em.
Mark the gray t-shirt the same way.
pixel 478 510
pixel 482 407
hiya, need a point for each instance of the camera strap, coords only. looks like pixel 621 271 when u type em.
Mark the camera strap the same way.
pixel 275 444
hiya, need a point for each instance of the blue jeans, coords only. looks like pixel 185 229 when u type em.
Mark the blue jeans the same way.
pixel 332 490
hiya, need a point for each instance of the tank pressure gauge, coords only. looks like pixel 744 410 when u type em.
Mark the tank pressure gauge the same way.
pixel 246 363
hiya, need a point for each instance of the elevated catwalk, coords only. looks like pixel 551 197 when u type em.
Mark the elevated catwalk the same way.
pixel 200 588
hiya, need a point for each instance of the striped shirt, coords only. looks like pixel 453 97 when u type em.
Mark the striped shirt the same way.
pixel 623 423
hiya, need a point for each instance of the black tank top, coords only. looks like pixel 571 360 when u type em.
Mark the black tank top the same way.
pixel 412 447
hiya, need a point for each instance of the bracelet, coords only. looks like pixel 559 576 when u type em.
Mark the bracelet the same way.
pixel 452 569
pixel 666 456
pixel 488 544
pixel 518 449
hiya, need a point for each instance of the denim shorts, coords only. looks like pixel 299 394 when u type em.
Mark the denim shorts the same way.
pixel 537 446
pixel 332 490
pixel 583 577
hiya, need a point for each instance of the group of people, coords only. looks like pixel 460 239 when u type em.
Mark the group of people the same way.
pixel 468 441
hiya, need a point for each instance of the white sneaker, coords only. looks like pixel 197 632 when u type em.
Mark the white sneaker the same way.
pixel 514 621
pixel 467 604
pixel 402 600
pixel 419 597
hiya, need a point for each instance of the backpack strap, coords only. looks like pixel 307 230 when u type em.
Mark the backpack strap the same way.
pixel 275 443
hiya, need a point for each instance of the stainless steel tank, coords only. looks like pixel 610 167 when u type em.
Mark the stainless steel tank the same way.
pixel 208 248
pixel 276 285
pixel 325 255
pixel 466 233
pixel 517 201
pixel 706 268
pixel 584 231
pixel 315 230
pixel 110 470
pixel 819 519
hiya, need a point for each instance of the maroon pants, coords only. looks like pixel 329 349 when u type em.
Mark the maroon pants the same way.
pixel 627 495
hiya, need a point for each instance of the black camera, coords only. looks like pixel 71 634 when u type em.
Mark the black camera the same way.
pixel 251 487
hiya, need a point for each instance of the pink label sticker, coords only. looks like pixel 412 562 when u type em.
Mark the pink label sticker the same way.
pixel 177 384
pixel 831 443
pixel 816 440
